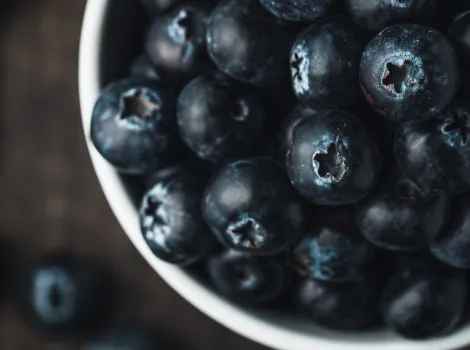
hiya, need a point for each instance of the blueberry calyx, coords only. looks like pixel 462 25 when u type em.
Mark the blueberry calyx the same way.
pixel 244 276
pixel 247 232
pixel 406 189
pixel 459 125
pixel 139 103
pixel 331 164
pixel 155 210
pixel 295 64
pixel 397 77
pixel 240 111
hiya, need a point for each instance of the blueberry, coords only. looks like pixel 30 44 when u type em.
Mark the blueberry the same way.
pixel 144 68
pixel 459 33
pixel 424 299
pixel 325 62
pixel 220 119
pixel 124 339
pixel 397 216
pixel 435 154
pixel 340 306
pixel 63 294
pixel 298 10
pixel 452 245
pixel 375 15
pixel 247 44
pixel 300 112
pixel 251 207
pixel 332 248
pixel 176 43
pixel 172 222
pixel 134 125
pixel 333 159
pixel 409 73
pixel 249 279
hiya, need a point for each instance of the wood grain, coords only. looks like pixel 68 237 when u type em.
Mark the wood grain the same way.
pixel 49 196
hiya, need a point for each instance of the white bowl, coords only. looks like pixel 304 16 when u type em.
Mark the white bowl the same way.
pixel 108 27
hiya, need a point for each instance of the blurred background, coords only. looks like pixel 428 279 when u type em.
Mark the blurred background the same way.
pixel 49 196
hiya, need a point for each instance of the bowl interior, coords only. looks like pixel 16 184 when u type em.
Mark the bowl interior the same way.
pixel 112 36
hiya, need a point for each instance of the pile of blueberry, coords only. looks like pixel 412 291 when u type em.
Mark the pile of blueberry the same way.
pixel 308 152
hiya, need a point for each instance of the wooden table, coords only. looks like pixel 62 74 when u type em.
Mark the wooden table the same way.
pixel 49 195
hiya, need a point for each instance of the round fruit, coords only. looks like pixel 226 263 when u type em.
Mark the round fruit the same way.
pixel 397 216
pixel 171 220
pixel 64 295
pixel 333 159
pixel 435 154
pixel 333 249
pixel 219 118
pixel 176 43
pixel 134 126
pixel 251 207
pixel 340 306
pixel 247 278
pixel 247 44
pixel 409 73
pixel 424 299
pixel 325 62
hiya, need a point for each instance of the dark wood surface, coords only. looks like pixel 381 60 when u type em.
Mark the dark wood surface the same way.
pixel 49 196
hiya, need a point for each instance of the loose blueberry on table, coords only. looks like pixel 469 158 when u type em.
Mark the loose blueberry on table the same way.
pixel 62 294
pixel 321 206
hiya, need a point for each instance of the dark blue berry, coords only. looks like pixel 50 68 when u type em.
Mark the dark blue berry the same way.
pixel 134 125
pixel 219 118
pixel 251 207
pixel 286 135
pixel 435 154
pixel 375 15
pixel 424 299
pixel 124 339
pixel 409 73
pixel 176 43
pixel 65 295
pixel 172 222
pixel 249 279
pixel 333 159
pixel 397 216
pixel 247 44
pixel 298 10
pixel 340 306
pixel 332 248
pixel 325 62
pixel 142 67
pixel 452 245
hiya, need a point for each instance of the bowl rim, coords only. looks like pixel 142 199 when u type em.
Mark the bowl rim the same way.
pixel 260 327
